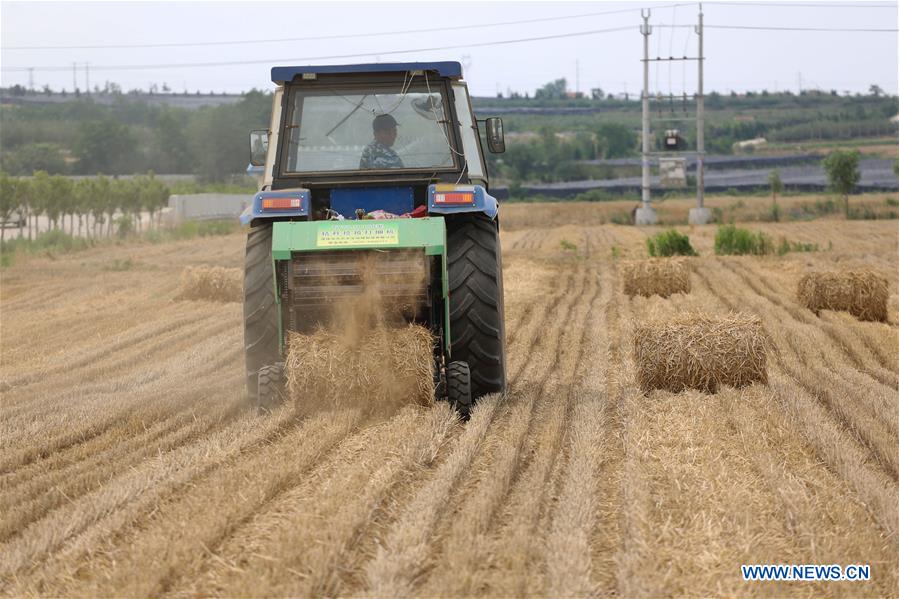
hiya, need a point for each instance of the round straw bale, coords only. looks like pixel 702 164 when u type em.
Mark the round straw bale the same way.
pixel 656 276
pixel 381 366
pixel 862 292
pixel 695 351
pixel 211 283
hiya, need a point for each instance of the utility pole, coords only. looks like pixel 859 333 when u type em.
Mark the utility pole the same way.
pixel 74 76
pixel 31 78
pixel 700 215
pixel 645 214
pixel 87 76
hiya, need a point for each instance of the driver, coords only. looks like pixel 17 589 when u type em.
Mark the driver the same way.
pixel 378 154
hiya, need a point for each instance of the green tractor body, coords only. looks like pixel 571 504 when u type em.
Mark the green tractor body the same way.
pixel 375 172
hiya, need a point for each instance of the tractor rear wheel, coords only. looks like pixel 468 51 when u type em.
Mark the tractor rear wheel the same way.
pixel 458 388
pixel 477 328
pixel 260 312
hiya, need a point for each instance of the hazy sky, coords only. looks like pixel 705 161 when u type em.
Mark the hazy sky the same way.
pixel 736 59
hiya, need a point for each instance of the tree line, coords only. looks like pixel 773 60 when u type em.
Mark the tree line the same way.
pixel 87 207
pixel 130 136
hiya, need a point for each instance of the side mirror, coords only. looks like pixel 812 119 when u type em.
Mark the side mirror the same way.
pixel 258 147
pixel 496 141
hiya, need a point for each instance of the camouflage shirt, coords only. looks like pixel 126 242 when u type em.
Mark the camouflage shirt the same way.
pixel 377 155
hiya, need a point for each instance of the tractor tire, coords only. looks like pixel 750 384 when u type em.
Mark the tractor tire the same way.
pixel 477 327
pixel 260 312
pixel 458 388
pixel 270 388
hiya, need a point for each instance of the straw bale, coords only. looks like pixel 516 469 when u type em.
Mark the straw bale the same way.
pixel 863 293
pixel 695 351
pixel 211 283
pixel 379 367
pixel 656 276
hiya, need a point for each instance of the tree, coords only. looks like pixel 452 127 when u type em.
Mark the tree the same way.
pixel 843 174
pixel 896 167
pixel 60 199
pixel 776 187
pixel 101 197
pixel 552 90
pixel 24 201
pixel 171 151
pixel 41 194
pixel 618 140
pixel 218 135
pixel 105 146
pixel 83 194
pixel 8 203
pixel 31 157
pixel 875 90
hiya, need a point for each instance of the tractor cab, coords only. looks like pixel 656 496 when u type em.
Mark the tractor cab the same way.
pixel 367 138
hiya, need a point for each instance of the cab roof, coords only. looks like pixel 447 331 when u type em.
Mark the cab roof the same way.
pixel 452 70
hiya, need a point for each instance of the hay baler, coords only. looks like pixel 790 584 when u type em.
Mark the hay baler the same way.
pixel 375 172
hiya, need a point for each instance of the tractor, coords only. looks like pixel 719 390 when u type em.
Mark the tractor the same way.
pixel 380 165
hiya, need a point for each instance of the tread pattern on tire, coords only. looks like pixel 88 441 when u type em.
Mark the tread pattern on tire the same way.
pixel 260 311
pixel 476 303
pixel 270 386
pixel 458 388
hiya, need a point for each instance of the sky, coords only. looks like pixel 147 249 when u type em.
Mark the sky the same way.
pixel 282 34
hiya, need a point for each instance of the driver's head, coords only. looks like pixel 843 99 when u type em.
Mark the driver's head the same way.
pixel 384 127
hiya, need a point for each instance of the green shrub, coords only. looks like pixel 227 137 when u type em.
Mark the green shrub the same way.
pixel 670 243
pixel 567 245
pixel 120 265
pixel 892 201
pixel 124 226
pixel 732 240
pixel 828 206
pixel 717 215
pixel 186 230
pixel 786 247
pixel 192 228
pixel 209 228
pixel 621 218
pixel 53 241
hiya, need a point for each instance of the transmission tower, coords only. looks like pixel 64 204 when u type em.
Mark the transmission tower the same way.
pixel 645 214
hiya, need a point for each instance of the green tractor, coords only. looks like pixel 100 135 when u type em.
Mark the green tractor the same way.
pixel 378 165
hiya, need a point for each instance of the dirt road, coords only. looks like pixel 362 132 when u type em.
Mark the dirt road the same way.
pixel 129 467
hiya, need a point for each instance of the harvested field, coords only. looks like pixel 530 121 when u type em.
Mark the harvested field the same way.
pixel 129 468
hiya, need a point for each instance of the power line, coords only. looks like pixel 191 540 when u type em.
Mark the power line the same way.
pixel 785 28
pixel 339 37
pixel 801 4
pixel 332 57
pixel 776 28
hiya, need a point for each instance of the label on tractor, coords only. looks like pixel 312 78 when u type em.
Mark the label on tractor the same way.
pixel 336 234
